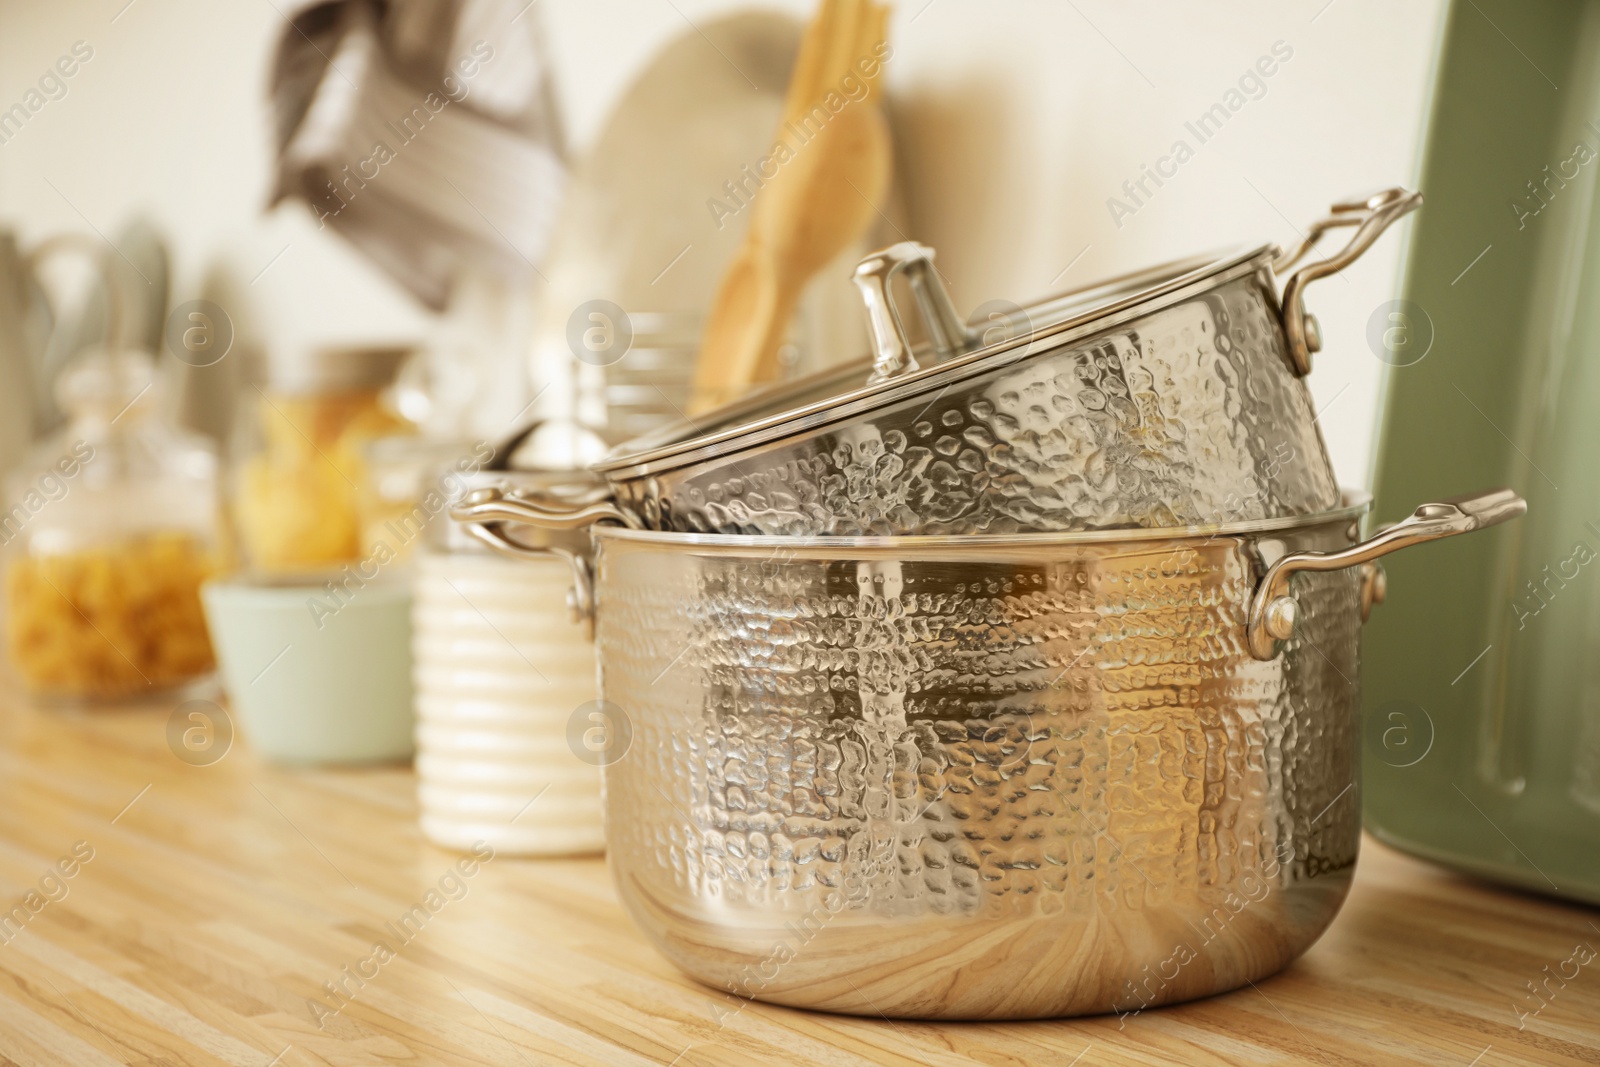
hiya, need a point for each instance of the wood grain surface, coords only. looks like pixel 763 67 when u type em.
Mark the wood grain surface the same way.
pixel 217 901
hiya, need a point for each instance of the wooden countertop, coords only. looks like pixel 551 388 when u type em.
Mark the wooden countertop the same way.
pixel 219 899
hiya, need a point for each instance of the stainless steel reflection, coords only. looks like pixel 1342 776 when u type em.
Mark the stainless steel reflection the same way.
pixel 988 777
pixel 1167 398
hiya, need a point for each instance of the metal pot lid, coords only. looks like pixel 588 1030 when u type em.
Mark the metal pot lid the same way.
pixel 955 349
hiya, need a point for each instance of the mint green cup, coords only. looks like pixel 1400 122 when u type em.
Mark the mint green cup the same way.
pixel 315 677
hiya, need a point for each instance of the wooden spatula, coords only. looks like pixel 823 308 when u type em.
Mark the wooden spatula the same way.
pixel 826 191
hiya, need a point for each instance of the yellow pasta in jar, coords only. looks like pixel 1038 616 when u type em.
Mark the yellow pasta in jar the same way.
pixel 298 505
pixel 115 620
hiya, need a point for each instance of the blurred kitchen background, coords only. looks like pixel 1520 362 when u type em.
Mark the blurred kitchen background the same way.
pixel 523 276
pixel 1007 150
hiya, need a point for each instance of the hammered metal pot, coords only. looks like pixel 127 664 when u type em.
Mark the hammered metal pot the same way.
pixel 1167 398
pixel 988 778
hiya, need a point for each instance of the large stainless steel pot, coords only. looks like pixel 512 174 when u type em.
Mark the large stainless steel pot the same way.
pixel 1166 398
pixel 988 777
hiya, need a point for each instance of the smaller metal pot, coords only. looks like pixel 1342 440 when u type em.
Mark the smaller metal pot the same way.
pixel 1171 397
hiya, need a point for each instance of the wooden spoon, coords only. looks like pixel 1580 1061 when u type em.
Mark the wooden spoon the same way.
pixel 827 188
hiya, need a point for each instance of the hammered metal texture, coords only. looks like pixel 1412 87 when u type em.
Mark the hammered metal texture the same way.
pixel 978 782
pixel 1188 415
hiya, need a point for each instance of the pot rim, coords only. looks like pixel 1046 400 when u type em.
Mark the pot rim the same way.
pixel 1354 505
pixel 1152 289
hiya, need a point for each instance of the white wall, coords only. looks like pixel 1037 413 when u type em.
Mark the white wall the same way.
pixel 1017 120
pixel 170 118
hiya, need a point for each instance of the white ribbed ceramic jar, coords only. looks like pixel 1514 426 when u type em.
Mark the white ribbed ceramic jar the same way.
pixel 500 669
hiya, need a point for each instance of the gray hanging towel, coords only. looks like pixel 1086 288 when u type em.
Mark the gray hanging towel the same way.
pixel 422 131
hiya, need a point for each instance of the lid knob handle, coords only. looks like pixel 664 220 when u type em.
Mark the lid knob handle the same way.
pixel 892 350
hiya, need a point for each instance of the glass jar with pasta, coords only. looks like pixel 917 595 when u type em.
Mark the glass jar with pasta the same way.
pixel 108 530
pixel 297 492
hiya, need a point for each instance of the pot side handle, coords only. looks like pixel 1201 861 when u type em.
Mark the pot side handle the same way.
pixel 490 504
pixel 1273 609
pixel 580 597
pixel 1371 215
pixel 487 513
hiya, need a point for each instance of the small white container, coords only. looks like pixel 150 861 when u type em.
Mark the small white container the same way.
pixel 500 672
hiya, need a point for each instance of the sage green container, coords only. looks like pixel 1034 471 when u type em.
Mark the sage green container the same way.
pixel 1482 674
pixel 314 678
